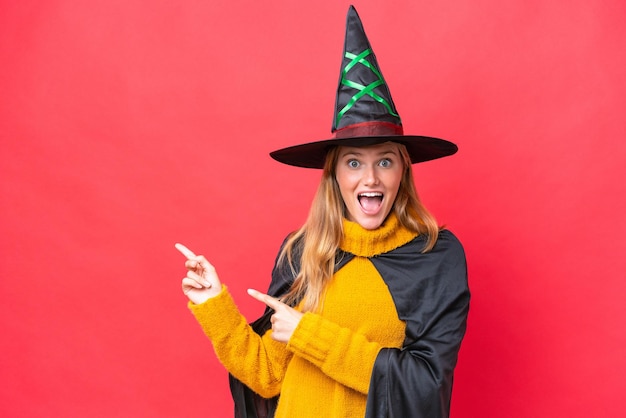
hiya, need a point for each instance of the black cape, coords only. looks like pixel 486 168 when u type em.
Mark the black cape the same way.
pixel 431 295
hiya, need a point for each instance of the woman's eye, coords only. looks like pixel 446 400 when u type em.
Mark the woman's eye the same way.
pixel 353 164
pixel 385 163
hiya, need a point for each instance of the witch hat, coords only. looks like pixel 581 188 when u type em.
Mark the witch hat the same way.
pixel 364 111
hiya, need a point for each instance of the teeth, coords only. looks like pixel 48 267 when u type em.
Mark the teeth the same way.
pixel 370 194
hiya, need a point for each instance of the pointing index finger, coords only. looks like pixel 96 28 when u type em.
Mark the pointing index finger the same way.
pixel 266 299
pixel 185 251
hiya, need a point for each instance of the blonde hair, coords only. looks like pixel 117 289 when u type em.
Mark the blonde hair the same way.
pixel 322 232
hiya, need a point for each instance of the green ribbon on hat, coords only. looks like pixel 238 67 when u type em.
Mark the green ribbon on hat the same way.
pixel 363 90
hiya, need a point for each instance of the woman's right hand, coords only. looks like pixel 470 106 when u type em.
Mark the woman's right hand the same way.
pixel 201 282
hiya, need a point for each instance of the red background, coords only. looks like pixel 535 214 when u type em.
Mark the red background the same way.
pixel 127 126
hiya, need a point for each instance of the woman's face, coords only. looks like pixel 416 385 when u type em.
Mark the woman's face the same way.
pixel 369 179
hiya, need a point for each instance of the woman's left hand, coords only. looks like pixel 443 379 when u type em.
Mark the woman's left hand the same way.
pixel 285 318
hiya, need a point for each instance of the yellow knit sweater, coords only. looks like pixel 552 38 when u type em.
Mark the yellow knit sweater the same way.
pixel 325 369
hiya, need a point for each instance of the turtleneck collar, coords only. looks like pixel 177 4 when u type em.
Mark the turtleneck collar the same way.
pixel 368 243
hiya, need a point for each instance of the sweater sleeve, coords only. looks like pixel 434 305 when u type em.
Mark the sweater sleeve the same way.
pixel 257 361
pixel 342 354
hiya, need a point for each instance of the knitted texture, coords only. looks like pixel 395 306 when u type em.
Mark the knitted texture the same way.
pixel 234 340
pixel 325 369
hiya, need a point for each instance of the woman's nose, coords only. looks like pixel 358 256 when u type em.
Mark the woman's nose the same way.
pixel 370 176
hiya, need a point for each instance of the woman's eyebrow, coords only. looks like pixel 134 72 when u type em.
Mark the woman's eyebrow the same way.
pixel 353 153
pixel 358 154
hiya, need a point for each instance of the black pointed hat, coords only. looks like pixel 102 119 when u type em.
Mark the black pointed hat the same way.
pixel 364 111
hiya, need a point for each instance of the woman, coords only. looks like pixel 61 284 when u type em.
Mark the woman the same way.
pixel 368 301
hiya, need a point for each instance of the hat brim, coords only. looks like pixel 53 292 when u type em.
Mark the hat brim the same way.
pixel 313 154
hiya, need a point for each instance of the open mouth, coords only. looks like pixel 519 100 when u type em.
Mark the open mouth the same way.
pixel 370 201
